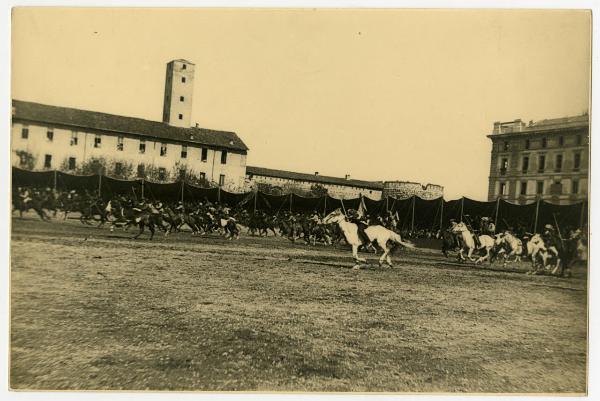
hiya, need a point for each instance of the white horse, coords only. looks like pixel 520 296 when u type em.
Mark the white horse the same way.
pixel 510 246
pixel 537 248
pixel 468 241
pixel 375 233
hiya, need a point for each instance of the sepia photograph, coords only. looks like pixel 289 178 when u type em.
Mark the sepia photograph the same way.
pixel 299 200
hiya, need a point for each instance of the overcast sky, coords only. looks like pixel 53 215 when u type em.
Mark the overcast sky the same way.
pixel 377 94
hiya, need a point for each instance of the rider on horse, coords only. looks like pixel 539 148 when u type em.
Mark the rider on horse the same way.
pixel 362 223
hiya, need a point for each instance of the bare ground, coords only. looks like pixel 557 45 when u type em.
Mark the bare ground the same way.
pixel 92 309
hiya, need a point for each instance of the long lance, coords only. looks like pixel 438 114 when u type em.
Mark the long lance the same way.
pixel 557 228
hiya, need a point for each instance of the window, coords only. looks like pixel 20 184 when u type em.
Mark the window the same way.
pixel 182 174
pixel 120 143
pixel 204 154
pixel 74 138
pixel 25 132
pixel 542 164
pixel 50 135
pixel 575 186
pixel 97 141
pixel 202 176
pixel 142 146
pixel 525 166
pixel 72 163
pixel 506 145
pixel 540 187
pixel 181 116
pixel 48 161
pixel 561 140
pixel 524 188
pixel 183 79
pixel 224 157
pixel 162 172
pixel 181 98
pixel 503 166
pixel 183 67
pixel 527 143
pixel 556 188
pixel 577 161
pixel 141 170
pixel 118 168
pixel 183 151
pixel 559 161
pixel 544 142
pixel 163 149
pixel 222 180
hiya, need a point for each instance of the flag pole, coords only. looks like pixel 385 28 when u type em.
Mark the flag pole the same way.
pixel 462 204
pixel 496 216
pixel 537 210
pixel 412 221
pixel 441 212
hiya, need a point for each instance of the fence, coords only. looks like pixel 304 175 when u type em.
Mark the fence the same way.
pixel 414 213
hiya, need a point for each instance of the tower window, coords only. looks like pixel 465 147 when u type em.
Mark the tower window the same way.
pixel 181 98
pixel 50 135
pixel 72 163
pixel 540 187
pixel 504 166
pixel 221 180
pixel 120 143
pixel 224 157
pixel 181 116
pixel 47 161
pixel 183 79
pixel 559 160
pixel 524 188
pixel 525 164
pixel 576 161
pixel 506 145
pixel 183 67
pixel 542 164
pixel 142 146
pixel 163 149
pixel 97 141
pixel 575 186
pixel 502 188
pixel 74 139
pixel 25 132
pixel 204 154
pixel 183 151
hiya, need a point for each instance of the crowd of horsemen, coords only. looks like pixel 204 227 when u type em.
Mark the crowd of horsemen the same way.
pixel 549 251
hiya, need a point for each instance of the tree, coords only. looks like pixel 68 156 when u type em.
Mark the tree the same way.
pixel 26 159
pixel 318 190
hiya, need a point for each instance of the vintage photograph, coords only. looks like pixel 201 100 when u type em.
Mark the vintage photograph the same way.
pixel 299 200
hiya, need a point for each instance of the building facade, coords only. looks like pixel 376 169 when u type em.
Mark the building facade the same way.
pixel 47 137
pixel 407 189
pixel 281 182
pixel 546 160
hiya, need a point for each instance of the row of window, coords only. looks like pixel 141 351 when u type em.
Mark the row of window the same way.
pixel 556 188
pixel 558 163
pixel 120 139
pixel 544 142
pixel 119 169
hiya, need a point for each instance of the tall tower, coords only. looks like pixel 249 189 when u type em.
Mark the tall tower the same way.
pixel 179 88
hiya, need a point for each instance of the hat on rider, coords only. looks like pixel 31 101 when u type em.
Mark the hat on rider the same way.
pixel 548 227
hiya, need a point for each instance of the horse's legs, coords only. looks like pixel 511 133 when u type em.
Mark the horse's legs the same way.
pixel 151 228
pixel 141 225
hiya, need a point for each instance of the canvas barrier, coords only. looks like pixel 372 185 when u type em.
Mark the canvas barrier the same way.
pixel 413 213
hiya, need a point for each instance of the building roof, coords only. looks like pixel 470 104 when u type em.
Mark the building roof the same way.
pixel 321 179
pixel 54 115
pixel 517 127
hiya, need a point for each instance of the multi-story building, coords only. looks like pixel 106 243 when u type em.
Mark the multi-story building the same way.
pixel 547 160
pixel 281 181
pixel 48 137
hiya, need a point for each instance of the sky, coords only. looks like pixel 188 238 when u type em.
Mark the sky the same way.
pixel 378 94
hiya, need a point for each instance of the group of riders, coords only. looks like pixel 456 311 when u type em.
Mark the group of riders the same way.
pixel 205 217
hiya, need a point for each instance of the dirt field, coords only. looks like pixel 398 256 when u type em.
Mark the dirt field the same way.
pixel 96 310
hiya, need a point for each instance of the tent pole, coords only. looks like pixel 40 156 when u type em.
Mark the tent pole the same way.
pixel 581 215
pixel 441 212
pixel 55 180
pixel 100 183
pixel 182 185
pixel 142 188
pixel 387 204
pixel 537 210
pixel 290 202
pixel 496 216
pixel 412 220
pixel 255 196
pixel 219 194
pixel 325 206
pixel 462 205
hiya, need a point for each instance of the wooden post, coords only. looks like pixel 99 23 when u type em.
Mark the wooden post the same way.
pixel 219 194
pixel 325 206
pixel 255 198
pixel 291 195
pixel 412 221
pixel 55 173
pixel 142 188
pixel 581 215
pixel 496 216
pixel 387 204
pixel 462 205
pixel 441 212
pixel 182 186
pixel 100 183
pixel 537 210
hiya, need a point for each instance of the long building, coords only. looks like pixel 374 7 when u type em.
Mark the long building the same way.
pixel 547 160
pixel 46 137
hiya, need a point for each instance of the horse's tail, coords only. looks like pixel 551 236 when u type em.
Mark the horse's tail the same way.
pixel 397 239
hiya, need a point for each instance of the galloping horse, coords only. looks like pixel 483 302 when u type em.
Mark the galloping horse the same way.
pixel 375 233
pixel 468 243
pixel 510 246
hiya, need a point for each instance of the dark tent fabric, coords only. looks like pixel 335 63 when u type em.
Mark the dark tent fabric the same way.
pixel 566 216
pixel 452 210
pixel 375 208
pixel 476 209
pixel 403 208
pixel 233 199
pixel 274 204
pixel 194 194
pixel 306 204
pixel 111 187
pixel 162 192
pixel 427 213
pixel 519 218
pixel 68 182
pixel 330 204
pixel 38 179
